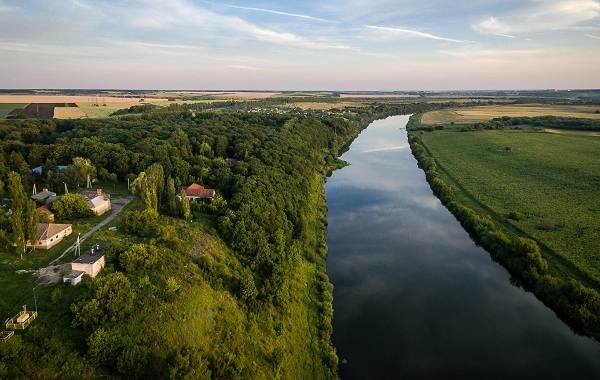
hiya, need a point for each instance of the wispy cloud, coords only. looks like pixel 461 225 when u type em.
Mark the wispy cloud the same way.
pixel 593 36
pixel 276 12
pixel 410 33
pixel 6 8
pixel 491 53
pixel 247 68
pixel 540 15
pixel 157 14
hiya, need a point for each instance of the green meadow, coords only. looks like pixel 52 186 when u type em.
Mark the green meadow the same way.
pixel 539 184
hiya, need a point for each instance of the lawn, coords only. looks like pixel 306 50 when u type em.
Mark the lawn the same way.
pixel 484 113
pixel 550 181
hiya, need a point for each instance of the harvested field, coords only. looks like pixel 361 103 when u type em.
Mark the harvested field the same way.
pixel 40 110
pixel 484 113
pixel 66 99
pixel 69 113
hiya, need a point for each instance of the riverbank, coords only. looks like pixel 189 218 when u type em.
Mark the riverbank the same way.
pixel 573 299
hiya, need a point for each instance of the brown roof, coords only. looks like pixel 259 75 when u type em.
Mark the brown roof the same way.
pixel 47 230
pixel 44 210
pixel 195 190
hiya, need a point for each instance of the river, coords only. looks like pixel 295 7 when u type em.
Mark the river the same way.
pixel 414 297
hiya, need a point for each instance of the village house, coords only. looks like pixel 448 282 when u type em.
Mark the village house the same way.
pixel 91 263
pixel 45 214
pixel 44 197
pixel 98 201
pixel 51 234
pixel 195 191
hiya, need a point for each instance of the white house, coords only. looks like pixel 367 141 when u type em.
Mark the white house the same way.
pixel 91 263
pixel 98 202
pixel 51 234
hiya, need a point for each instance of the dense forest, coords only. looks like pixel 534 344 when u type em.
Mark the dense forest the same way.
pixel 263 302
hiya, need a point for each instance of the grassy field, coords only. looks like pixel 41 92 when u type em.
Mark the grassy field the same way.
pixel 549 181
pixel 484 113
pixel 5 108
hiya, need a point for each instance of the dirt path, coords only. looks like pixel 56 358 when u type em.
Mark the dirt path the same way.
pixel 117 206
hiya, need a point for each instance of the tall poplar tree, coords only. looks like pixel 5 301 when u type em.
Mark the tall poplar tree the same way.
pixel 24 219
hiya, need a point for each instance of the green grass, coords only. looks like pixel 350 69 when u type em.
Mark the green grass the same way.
pixel 5 108
pixel 542 176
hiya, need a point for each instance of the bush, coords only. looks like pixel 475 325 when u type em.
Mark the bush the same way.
pixel 514 216
pixel 188 364
pixel 71 206
pixel 138 256
pixel 142 223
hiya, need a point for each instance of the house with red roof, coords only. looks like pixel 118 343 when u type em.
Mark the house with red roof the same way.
pixel 195 191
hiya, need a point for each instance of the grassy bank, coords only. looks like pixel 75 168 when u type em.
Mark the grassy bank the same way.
pixel 528 198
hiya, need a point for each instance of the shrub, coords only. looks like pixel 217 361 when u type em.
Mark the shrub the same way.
pixel 548 223
pixel 188 364
pixel 142 223
pixel 514 216
pixel 138 256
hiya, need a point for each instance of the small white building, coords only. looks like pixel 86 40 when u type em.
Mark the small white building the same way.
pixel 50 234
pixel 73 278
pixel 91 263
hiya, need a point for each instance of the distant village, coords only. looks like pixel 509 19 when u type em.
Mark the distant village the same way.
pixel 96 202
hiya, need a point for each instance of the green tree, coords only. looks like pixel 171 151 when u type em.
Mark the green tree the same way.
pixel 186 211
pixel 80 169
pixel 71 206
pixel 149 186
pixel 24 217
pixel 171 196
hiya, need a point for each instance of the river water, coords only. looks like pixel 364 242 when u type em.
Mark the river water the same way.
pixel 414 297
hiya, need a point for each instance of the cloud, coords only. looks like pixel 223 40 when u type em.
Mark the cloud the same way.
pixel 593 36
pixel 409 33
pixel 247 68
pixel 386 148
pixel 6 8
pixel 276 12
pixel 157 14
pixel 540 15
pixel 490 53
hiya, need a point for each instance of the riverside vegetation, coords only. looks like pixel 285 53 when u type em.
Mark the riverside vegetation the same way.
pixel 529 198
pixel 234 288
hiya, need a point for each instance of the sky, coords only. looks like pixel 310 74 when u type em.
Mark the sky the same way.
pixel 300 45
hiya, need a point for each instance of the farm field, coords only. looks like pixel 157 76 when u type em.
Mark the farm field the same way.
pixel 549 181
pixel 5 108
pixel 484 113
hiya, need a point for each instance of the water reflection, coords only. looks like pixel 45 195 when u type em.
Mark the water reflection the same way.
pixel 414 297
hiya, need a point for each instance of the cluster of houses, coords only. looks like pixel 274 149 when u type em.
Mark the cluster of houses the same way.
pixel 50 234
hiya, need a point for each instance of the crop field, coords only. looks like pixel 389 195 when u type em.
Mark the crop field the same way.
pixel 69 113
pixel 484 113
pixel 549 182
